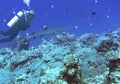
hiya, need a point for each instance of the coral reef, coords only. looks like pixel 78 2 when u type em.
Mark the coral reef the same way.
pixel 114 74
pixel 115 35
pixel 114 68
pixel 63 38
pixel 22 43
pixel 99 79
pixel 65 59
pixel 107 45
pixel 72 73
pixel 88 39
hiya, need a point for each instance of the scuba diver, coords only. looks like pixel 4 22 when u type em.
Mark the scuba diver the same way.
pixel 20 22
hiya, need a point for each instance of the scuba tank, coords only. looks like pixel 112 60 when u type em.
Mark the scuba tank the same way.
pixel 15 20
pixel 21 19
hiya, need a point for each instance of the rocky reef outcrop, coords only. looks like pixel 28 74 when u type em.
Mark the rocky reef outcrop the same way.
pixel 65 59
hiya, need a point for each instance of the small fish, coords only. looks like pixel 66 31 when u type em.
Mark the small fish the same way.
pixel 45 28
pixel 93 12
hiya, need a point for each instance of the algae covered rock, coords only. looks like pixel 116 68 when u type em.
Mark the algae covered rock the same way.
pixel 114 72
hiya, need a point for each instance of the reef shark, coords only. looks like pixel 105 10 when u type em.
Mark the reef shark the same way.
pixel 48 32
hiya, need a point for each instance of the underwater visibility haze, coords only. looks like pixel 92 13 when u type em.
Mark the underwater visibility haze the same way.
pixel 79 16
pixel 60 42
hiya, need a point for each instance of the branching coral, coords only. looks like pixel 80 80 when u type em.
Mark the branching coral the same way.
pixel 72 73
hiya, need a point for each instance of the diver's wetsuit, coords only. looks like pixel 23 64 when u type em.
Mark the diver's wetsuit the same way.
pixel 22 25
pixel 11 33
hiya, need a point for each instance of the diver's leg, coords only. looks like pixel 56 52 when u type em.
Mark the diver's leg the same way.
pixel 5 40
pixel 3 33
pixel 12 35
pixel 10 38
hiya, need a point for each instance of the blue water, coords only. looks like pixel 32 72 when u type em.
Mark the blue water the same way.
pixel 79 16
